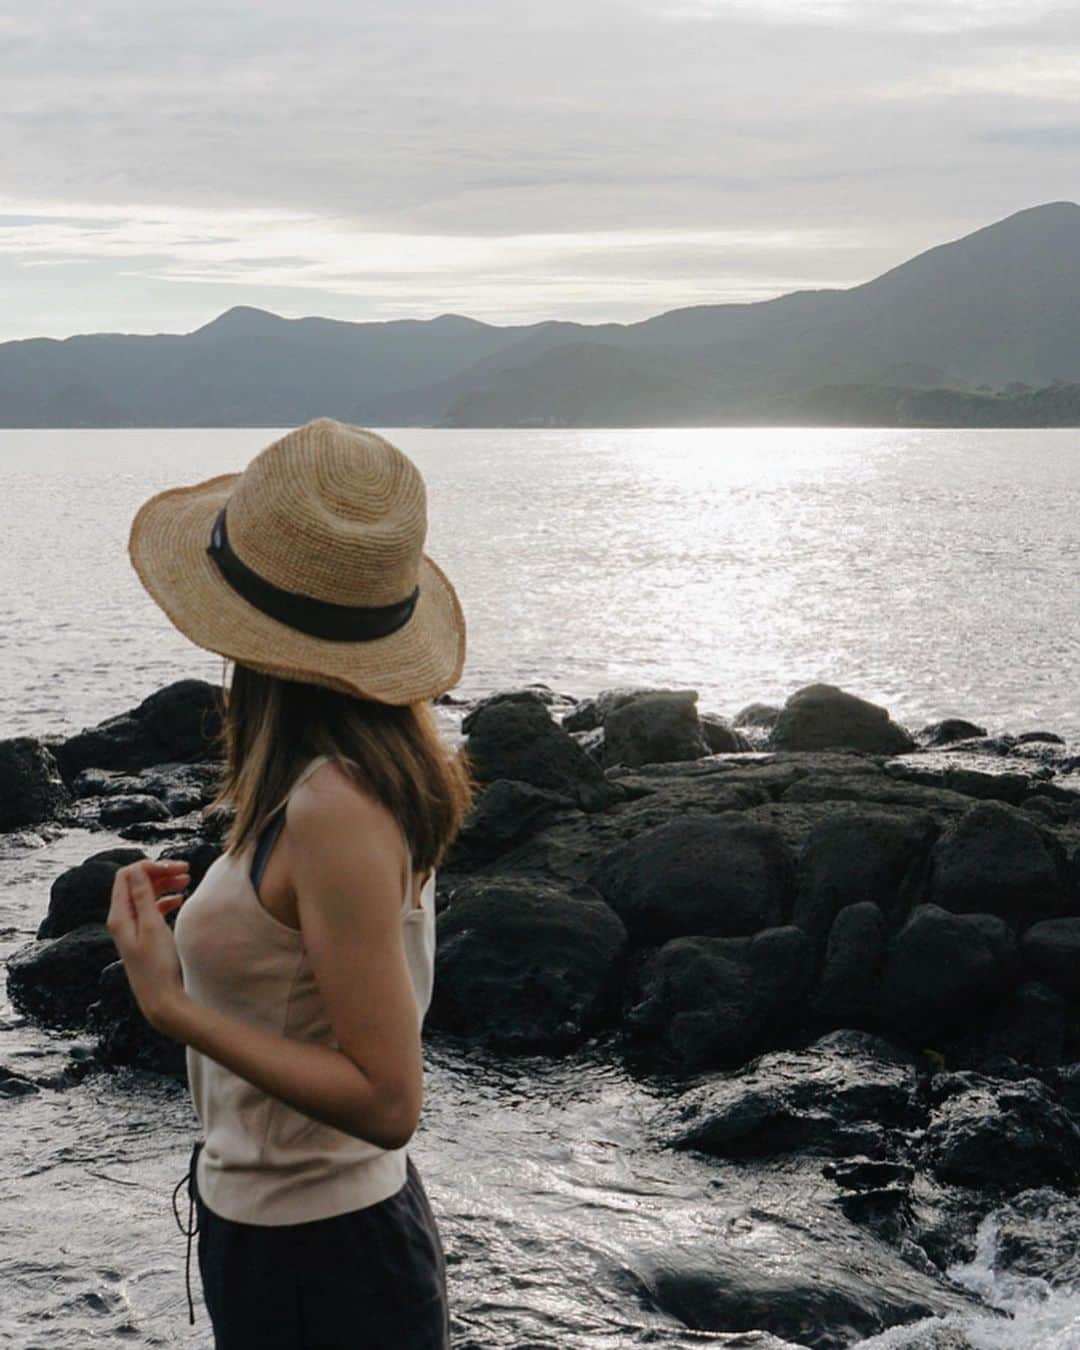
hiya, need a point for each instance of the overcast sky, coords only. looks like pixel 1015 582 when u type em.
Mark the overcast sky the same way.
pixel 586 159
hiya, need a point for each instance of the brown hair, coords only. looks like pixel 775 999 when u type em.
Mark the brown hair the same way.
pixel 272 727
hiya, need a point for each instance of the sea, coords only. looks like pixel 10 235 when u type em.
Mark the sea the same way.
pixel 934 572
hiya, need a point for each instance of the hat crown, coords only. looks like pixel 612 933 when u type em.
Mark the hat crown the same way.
pixel 331 511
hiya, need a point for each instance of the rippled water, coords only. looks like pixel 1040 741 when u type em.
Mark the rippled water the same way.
pixel 935 572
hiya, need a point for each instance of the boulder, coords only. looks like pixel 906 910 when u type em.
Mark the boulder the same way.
pixel 518 739
pixel 31 789
pixel 125 1037
pixel 762 715
pixel 1002 1135
pixel 117 811
pixel 943 971
pixel 1000 787
pixel 1050 952
pixel 82 894
pixel 182 721
pixel 848 991
pixel 758 1270
pixel 719 876
pixel 862 854
pixel 997 860
pixel 709 1002
pixel 721 737
pixel 949 730
pixel 526 964
pixel 536 695
pixel 821 715
pixel 843 1094
pixel 654 729
pixel 56 980
pixel 591 714
pixel 503 815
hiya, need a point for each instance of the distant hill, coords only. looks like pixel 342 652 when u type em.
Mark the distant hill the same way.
pixel 996 307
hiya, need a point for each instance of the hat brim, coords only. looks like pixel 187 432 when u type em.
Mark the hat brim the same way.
pixel 167 547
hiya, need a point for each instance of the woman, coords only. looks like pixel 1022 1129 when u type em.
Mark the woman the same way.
pixel 299 970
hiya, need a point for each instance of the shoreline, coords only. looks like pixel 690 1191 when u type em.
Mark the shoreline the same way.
pixel 852 964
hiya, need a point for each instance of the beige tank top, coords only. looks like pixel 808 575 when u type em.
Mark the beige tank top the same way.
pixel 264 1162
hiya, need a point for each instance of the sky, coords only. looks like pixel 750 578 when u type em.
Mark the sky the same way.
pixel 596 160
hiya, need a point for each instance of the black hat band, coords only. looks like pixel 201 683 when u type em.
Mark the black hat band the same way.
pixel 317 618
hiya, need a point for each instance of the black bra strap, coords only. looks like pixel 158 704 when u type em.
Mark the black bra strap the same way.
pixel 264 844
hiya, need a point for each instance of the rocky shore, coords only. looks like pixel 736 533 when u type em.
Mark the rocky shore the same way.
pixel 825 936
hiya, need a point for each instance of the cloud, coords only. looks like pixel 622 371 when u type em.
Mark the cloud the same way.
pixel 586 157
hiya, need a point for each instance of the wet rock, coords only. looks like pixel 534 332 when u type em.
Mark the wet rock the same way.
pixel 949 730
pixel 1002 1135
pixel 125 1037
pixel 721 737
pixel 862 854
pixel 996 860
pixel 126 810
pixel 821 715
pixel 177 829
pixel 518 739
pixel 182 721
pixel 757 715
pixel 943 971
pixel 1038 1234
pixel 709 1002
pixel 31 790
pixel 82 894
pixel 848 991
pixel 808 1283
pixel 1047 737
pixel 105 783
pixel 843 1094
pixel 720 876
pixel 502 816
pixel 1050 952
pixel 55 980
pixel 592 713
pixel 525 964
pixel 653 729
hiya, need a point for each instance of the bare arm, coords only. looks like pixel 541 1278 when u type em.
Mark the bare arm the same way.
pixel 344 852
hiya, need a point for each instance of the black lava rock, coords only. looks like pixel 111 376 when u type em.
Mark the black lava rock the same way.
pixel 526 964
pixel 31 789
pixel 821 715
pixel 716 876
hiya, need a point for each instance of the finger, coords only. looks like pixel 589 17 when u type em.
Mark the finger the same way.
pixel 168 903
pixel 120 920
pixel 168 874
pixel 142 891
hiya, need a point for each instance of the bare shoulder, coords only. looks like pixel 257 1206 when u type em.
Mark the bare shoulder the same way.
pixel 330 808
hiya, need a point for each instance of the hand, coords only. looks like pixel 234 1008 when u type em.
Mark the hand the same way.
pixel 142 894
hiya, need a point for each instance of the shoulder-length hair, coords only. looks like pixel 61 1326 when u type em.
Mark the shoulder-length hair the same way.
pixel 273 727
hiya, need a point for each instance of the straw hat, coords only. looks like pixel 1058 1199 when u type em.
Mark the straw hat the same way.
pixel 309 565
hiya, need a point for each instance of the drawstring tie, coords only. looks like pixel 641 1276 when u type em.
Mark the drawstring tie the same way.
pixel 192 1223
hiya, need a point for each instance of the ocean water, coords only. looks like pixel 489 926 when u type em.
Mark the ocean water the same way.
pixel 934 572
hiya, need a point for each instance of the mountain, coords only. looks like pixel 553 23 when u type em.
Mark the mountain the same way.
pixel 999 306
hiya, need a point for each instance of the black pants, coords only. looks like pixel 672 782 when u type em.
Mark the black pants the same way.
pixel 371 1279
